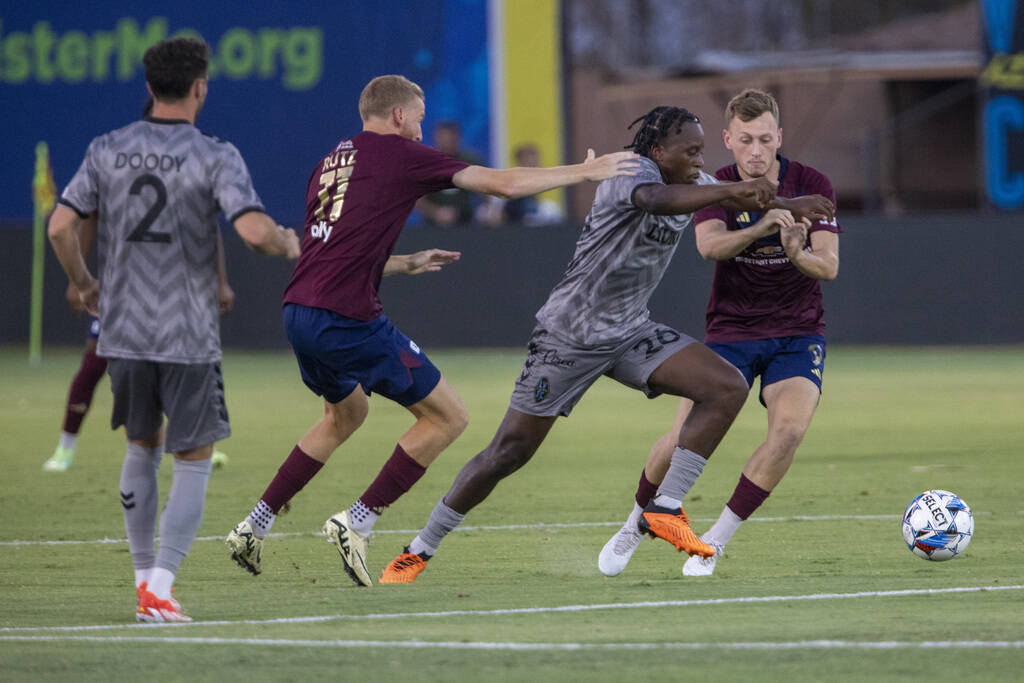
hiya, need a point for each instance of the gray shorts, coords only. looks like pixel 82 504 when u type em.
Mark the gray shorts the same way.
pixel 192 397
pixel 557 373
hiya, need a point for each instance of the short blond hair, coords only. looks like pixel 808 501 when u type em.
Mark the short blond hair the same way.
pixel 384 93
pixel 750 104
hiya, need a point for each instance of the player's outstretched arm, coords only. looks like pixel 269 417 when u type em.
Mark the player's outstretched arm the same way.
pixel 681 198
pixel 508 183
pixel 63 234
pixel 813 207
pixel 716 242
pixel 427 261
pixel 260 233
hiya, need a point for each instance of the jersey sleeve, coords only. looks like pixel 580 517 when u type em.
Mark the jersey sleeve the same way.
pixel 816 182
pixel 713 212
pixel 82 193
pixel 430 169
pixel 621 190
pixel 232 184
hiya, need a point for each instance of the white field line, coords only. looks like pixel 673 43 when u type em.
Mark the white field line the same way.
pixel 503 527
pixel 459 645
pixel 524 610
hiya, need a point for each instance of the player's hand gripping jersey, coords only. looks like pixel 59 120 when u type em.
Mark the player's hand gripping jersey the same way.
pixel 759 294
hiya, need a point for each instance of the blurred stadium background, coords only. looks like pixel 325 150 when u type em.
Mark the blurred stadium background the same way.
pixel 914 109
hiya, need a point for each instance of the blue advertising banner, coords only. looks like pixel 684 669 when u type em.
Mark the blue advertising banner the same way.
pixel 285 79
pixel 1002 102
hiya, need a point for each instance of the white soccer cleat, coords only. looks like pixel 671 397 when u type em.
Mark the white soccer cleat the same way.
pixel 246 548
pixel 616 553
pixel 351 546
pixel 703 566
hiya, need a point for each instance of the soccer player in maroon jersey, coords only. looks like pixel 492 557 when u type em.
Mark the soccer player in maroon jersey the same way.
pixel 358 200
pixel 765 316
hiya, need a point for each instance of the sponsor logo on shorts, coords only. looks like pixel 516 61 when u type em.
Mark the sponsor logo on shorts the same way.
pixel 817 354
pixel 817 358
pixel 541 391
pixel 413 346
pixel 536 356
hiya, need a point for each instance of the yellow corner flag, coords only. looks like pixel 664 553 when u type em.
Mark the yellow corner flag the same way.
pixel 44 196
pixel 44 192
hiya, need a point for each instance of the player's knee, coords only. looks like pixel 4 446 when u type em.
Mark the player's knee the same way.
pixel 787 434
pixel 732 392
pixel 345 418
pixel 457 421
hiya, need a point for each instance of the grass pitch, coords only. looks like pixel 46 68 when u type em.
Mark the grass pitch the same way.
pixel 817 585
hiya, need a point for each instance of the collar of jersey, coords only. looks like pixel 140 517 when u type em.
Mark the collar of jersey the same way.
pixel 153 119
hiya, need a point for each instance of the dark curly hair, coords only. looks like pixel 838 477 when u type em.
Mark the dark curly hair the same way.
pixel 172 66
pixel 658 124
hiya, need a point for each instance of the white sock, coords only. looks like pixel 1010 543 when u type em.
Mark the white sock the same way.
pixel 722 530
pixel 363 518
pixel 664 501
pixel 142 576
pixel 68 441
pixel 418 546
pixel 261 519
pixel 634 517
pixel 160 582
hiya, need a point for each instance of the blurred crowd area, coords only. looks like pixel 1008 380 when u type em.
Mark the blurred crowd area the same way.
pixel 882 96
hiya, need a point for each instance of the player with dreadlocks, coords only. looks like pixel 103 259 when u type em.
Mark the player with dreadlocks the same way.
pixel 596 322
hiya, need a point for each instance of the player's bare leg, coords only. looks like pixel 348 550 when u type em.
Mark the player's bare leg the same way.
pixel 517 439
pixel 440 418
pixel 339 422
pixel 791 404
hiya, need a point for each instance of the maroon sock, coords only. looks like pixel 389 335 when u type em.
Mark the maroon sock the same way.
pixel 293 474
pixel 82 388
pixel 747 497
pixel 645 490
pixel 397 476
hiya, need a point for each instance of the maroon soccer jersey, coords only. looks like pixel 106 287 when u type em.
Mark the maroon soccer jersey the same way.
pixel 759 294
pixel 357 202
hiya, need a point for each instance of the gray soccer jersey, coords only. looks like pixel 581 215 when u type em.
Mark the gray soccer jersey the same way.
pixel 158 186
pixel 620 258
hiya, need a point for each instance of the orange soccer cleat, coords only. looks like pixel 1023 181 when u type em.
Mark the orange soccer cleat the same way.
pixel 404 568
pixel 673 526
pixel 153 609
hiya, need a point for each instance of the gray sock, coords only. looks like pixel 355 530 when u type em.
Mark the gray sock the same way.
pixel 682 473
pixel 179 523
pixel 139 498
pixel 442 520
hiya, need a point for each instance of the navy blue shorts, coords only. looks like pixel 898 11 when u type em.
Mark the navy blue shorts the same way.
pixel 776 359
pixel 336 354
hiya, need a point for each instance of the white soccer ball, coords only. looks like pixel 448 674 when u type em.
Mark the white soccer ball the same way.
pixel 938 525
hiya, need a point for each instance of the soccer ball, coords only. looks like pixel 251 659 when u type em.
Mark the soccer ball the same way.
pixel 937 525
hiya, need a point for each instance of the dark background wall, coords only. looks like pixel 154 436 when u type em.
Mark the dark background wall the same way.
pixel 938 279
